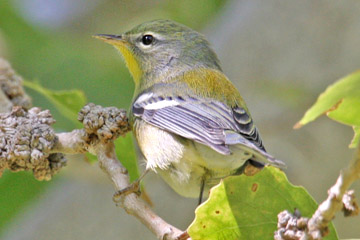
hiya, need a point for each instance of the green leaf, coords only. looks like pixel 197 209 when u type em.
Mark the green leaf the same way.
pixel 347 111
pixel 125 151
pixel 68 102
pixel 340 102
pixel 345 92
pixel 243 207
pixel 356 139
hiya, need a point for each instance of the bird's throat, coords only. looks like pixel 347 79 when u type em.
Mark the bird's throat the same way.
pixel 131 62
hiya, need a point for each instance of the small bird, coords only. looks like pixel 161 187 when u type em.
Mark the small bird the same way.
pixel 190 122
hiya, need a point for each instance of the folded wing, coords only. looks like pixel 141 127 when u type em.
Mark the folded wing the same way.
pixel 205 121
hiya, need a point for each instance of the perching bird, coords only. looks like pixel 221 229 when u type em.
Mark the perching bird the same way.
pixel 189 120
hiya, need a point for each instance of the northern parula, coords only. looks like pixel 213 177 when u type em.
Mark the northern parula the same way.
pixel 188 119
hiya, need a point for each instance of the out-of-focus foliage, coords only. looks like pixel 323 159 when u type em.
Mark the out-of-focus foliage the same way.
pixel 340 102
pixel 242 207
pixel 16 192
pixel 65 56
pixel 125 151
pixel 67 102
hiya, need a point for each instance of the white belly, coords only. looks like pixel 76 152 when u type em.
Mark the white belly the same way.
pixel 183 163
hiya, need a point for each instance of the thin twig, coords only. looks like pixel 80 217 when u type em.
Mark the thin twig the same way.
pixel 77 141
pixel 294 226
pixel 28 142
pixel 334 203
pixel 132 204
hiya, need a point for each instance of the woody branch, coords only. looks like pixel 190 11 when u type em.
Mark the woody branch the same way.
pixel 293 226
pixel 28 142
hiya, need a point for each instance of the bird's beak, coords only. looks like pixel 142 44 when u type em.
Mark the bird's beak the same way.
pixel 121 44
pixel 111 39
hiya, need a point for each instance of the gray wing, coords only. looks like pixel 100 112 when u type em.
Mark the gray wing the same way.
pixel 206 121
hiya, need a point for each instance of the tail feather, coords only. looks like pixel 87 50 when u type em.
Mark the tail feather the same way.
pixel 259 155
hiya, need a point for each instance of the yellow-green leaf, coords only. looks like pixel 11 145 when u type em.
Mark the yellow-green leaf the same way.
pixel 347 112
pixel 68 102
pixel 340 102
pixel 243 207
pixel 356 139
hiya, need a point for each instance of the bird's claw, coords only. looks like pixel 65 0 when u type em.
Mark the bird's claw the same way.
pixel 132 188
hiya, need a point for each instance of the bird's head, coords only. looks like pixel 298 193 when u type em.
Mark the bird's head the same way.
pixel 162 48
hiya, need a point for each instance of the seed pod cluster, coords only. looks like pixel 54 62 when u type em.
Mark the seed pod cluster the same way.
pixel 104 124
pixel 26 138
pixel 11 85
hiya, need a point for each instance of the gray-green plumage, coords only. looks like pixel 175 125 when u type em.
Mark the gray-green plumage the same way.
pixel 177 49
pixel 190 122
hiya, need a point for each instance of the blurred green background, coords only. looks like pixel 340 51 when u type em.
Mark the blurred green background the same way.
pixel 280 55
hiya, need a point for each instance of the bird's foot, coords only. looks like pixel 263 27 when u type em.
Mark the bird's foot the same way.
pixel 132 188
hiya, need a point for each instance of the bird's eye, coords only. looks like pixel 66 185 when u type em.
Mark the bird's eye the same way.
pixel 147 39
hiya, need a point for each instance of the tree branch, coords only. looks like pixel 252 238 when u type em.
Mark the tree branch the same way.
pixel 78 141
pixel 101 127
pixel 132 204
pixel 335 201
pixel 28 142
pixel 293 226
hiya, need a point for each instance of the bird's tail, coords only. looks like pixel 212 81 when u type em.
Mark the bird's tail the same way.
pixel 260 157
